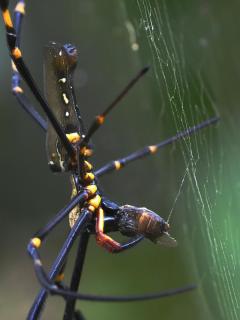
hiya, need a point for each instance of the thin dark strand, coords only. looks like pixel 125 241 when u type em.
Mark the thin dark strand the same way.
pixel 76 276
pixel 18 17
pixel 26 75
pixel 78 199
pixel 22 69
pixel 111 166
pixel 16 81
pixel 129 244
pixel 23 101
pixel 48 284
pixel 96 124
pixel 56 267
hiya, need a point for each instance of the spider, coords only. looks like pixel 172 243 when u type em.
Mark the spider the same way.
pixel 69 150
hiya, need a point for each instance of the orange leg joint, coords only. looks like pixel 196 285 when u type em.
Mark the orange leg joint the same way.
pixel 102 239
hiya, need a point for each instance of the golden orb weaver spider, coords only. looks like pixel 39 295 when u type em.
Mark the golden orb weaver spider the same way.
pixel 69 150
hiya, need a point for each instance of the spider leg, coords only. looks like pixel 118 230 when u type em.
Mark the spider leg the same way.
pixel 107 242
pixel 48 281
pixel 16 80
pixel 149 150
pixel 101 117
pixel 17 58
pixel 70 312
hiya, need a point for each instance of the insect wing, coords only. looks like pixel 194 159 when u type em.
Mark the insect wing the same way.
pixel 166 240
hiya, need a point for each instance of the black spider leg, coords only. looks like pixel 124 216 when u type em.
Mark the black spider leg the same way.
pixel 47 282
pixel 49 286
pixel 70 312
pixel 17 58
pixel 16 80
pixel 98 121
pixel 149 150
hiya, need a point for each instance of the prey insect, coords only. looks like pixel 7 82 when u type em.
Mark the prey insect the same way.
pixel 69 150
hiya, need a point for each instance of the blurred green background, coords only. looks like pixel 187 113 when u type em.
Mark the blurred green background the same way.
pixel 193 49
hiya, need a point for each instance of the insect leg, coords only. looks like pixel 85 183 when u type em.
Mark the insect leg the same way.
pixel 107 242
pixel 101 117
pixel 149 150
pixel 17 58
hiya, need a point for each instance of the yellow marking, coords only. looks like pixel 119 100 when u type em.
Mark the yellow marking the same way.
pixel 36 242
pixel 20 7
pixel 92 189
pixel 7 19
pixel 63 80
pixel 86 152
pixel 91 208
pixel 18 89
pixel 87 166
pixel 95 202
pixel 16 52
pixel 100 119
pixel 65 98
pixel 152 149
pixel 59 277
pixel 73 137
pixel 100 220
pixel 89 176
pixel 117 165
pixel 14 68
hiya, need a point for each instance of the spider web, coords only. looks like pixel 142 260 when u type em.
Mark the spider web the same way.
pixel 209 215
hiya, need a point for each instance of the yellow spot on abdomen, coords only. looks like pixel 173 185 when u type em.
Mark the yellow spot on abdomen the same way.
pixel 89 176
pixel 95 202
pixel 92 189
pixel 73 137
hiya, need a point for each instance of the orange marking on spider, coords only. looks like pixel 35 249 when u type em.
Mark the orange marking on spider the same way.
pixel 117 165
pixel 7 18
pixel 152 149
pixel 87 166
pixel 95 202
pixel 16 52
pixel 89 176
pixel 18 89
pixel 102 239
pixel 36 242
pixel 100 119
pixel 86 152
pixel 59 277
pixel 91 189
pixel 73 137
